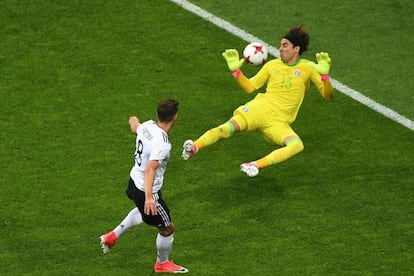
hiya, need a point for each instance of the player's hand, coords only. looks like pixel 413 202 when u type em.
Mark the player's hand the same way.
pixel 232 58
pixel 134 123
pixel 149 207
pixel 324 63
pixel 133 120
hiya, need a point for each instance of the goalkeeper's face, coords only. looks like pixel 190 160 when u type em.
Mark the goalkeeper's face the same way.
pixel 288 52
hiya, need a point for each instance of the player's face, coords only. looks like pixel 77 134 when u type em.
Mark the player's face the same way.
pixel 288 53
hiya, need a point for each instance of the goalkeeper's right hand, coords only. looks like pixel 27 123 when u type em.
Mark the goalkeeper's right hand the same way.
pixel 232 58
pixel 324 63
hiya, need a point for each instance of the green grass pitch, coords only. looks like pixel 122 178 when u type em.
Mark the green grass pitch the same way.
pixel 71 74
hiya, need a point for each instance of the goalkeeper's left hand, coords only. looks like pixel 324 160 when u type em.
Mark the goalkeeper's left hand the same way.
pixel 232 58
pixel 324 63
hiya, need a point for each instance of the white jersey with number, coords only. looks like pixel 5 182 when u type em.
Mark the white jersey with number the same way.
pixel 151 144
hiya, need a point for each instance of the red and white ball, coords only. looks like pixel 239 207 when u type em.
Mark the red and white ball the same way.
pixel 255 53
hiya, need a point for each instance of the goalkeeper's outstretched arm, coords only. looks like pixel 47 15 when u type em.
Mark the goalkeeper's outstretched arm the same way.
pixel 245 83
pixel 234 64
pixel 323 67
pixel 327 92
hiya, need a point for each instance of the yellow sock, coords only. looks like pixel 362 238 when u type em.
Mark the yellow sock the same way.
pixel 277 156
pixel 213 135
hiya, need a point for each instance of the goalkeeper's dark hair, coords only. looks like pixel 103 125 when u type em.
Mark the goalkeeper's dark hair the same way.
pixel 299 37
pixel 167 109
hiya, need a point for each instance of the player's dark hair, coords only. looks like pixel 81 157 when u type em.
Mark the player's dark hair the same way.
pixel 299 37
pixel 167 109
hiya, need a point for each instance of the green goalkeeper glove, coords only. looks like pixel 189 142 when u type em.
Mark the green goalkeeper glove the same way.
pixel 324 63
pixel 232 58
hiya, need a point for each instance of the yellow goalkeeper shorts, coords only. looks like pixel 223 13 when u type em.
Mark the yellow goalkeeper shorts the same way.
pixel 260 117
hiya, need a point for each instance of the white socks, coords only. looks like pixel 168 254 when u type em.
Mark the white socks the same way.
pixel 164 244
pixel 133 218
pixel 164 247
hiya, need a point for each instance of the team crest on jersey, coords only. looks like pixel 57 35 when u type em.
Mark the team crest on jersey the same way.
pixel 298 73
pixel 158 154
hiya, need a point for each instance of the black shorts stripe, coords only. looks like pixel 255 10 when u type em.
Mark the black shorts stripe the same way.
pixel 162 219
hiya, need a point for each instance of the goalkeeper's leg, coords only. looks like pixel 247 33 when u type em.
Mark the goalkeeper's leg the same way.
pixel 293 146
pixel 235 124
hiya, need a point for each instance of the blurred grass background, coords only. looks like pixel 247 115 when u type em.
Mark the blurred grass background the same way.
pixel 73 72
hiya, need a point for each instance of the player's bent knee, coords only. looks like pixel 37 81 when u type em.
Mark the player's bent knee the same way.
pixel 166 231
pixel 296 146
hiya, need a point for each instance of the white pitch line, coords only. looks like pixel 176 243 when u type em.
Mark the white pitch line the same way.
pixel 223 24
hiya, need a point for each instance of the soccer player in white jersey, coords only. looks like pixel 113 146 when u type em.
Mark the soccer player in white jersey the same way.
pixel 146 180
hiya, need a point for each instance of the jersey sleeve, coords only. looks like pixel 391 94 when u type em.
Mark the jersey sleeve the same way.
pixel 324 87
pixel 159 154
pixel 262 76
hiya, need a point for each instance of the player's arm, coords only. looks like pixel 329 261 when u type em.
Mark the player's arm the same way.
pixel 235 63
pixel 323 66
pixel 149 175
pixel 134 124
pixel 244 83
pixel 324 87
pixel 327 91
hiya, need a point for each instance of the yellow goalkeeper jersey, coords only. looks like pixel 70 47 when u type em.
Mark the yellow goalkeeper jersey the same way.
pixel 286 86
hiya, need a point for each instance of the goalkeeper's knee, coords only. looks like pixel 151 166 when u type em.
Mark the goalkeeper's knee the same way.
pixel 295 145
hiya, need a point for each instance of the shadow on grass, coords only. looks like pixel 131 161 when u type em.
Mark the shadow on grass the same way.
pixel 259 184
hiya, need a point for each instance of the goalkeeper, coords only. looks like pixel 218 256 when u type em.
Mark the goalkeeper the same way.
pixel 272 113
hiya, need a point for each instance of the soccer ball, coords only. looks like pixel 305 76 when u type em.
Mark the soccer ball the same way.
pixel 255 53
